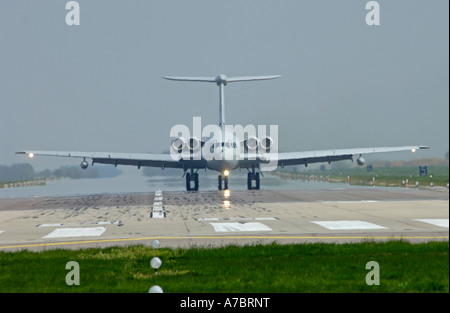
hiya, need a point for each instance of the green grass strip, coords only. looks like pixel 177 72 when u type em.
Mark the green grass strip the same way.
pixel 403 267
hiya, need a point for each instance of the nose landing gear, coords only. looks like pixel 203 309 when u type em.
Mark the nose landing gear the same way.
pixel 223 178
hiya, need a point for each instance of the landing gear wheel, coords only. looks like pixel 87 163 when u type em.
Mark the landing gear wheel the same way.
pixel 225 181
pixel 188 182
pixel 195 181
pixel 253 177
pixel 191 177
pixel 220 182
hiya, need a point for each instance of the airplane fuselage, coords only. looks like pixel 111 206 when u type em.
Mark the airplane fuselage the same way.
pixel 222 165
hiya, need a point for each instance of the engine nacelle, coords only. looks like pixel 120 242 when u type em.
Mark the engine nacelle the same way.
pixel 178 145
pixel 251 144
pixel 84 164
pixel 265 144
pixel 194 144
pixel 360 161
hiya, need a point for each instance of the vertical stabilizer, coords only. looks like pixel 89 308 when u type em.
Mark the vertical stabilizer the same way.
pixel 221 81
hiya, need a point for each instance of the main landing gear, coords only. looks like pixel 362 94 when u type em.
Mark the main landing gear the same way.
pixel 253 180
pixel 192 177
pixel 253 176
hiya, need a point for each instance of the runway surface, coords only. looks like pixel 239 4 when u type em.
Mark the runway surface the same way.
pixel 216 218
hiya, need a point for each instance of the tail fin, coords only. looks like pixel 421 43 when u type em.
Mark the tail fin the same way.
pixel 221 81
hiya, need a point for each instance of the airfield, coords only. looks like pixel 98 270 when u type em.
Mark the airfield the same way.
pixel 218 218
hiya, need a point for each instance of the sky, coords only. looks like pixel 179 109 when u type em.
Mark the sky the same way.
pixel 97 86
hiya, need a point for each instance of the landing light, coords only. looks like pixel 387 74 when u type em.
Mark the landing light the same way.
pixel 31 154
pixel 413 150
pixel 226 172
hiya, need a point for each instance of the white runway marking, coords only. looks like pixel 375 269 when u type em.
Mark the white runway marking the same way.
pixel 79 224
pixel 108 223
pixel 157 214
pixel 157 207
pixel 76 232
pixel 236 219
pixel 232 227
pixel 351 201
pixel 441 222
pixel 50 225
pixel 1 231
pixel 347 225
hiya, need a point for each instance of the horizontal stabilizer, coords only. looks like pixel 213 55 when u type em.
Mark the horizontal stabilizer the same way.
pixel 249 78
pixel 192 79
pixel 221 79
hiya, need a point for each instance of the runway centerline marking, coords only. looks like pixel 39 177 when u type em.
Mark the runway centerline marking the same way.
pixel 157 214
pixel 157 207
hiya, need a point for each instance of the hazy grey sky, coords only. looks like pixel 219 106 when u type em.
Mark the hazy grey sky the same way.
pixel 98 86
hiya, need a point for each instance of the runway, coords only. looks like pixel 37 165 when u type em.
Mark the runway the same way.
pixel 216 218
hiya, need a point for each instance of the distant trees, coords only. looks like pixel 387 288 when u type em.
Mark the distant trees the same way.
pixel 25 171
pixel 76 172
pixel 21 171
pixel 411 163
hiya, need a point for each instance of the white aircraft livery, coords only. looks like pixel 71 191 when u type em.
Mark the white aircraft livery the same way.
pixel 227 150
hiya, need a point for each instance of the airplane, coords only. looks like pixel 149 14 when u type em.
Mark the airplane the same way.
pixel 256 151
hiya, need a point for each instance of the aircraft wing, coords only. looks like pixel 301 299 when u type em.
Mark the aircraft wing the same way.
pixel 135 159
pixel 308 157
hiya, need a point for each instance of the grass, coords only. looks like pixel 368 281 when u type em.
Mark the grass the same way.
pixel 384 176
pixel 404 267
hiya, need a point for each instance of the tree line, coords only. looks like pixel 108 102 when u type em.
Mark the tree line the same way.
pixel 25 171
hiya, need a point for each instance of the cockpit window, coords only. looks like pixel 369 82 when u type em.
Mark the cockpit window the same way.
pixel 228 144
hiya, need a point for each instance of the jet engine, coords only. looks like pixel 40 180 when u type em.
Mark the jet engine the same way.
pixel 194 145
pixel 360 161
pixel 84 165
pixel 251 144
pixel 178 145
pixel 265 144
